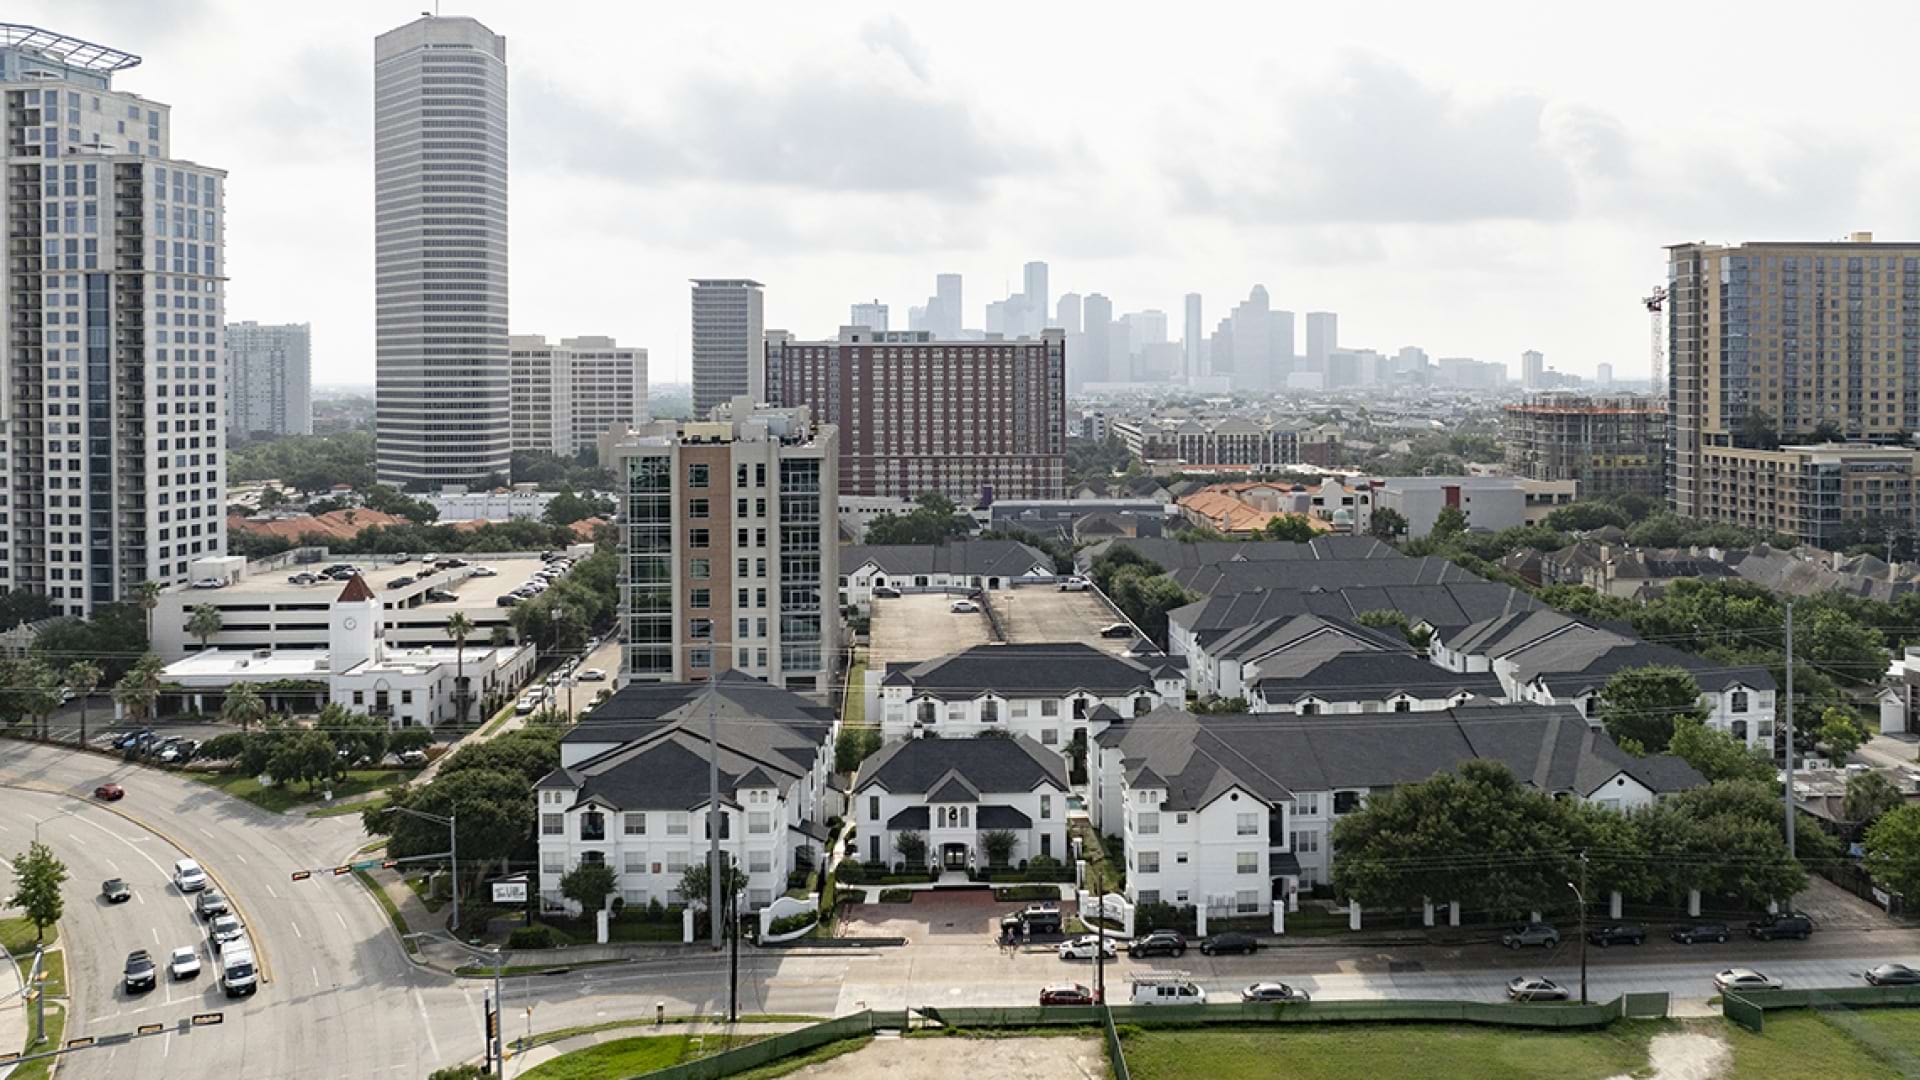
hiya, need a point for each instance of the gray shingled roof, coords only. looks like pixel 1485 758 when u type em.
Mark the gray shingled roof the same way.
pixel 1045 668
pixel 1296 575
pixel 1447 607
pixel 668 771
pixel 1001 558
pixel 1375 676
pixel 916 766
pixel 1002 817
pixel 639 709
pixel 1577 663
pixel 1170 554
pixel 1275 635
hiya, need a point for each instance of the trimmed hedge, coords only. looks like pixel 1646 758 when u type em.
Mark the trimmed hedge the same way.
pixel 786 924
pixel 531 937
pixel 896 896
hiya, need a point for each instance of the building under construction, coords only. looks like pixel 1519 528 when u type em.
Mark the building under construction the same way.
pixel 1609 444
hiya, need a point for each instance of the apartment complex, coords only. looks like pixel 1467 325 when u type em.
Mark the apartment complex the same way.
pixel 1229 440
pixel 566 396
pixel 269 379
pixel 1796 343
pixel 729 353
pixel 728 554
pixel 965 418
pixel 1610 445
pixel 443 405
pixel 111 369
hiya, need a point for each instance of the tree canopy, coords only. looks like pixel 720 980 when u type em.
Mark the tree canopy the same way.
pixel 934 520
pixel 1643 704
pixel 37 877
pixel 1893 850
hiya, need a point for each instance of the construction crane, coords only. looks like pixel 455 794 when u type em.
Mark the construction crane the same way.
pixel 1656 303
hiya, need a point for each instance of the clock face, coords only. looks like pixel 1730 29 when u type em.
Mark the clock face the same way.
pixel 350 622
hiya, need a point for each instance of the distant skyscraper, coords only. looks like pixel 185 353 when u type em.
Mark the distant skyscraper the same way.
pixel 1068 314
pixel 1036 294
pixel 1146 328
pixel 729 351
pixel 872 316
pixel 1097 329
pixel 946 322
pixel 1323 336
pixel 566 396
pixel 1280 354
pixel 93 167
pixel 1252 337
pixel 1193 341
pixel 1532 366
pixel 1603 375
pixel 269 379
pixel 444 405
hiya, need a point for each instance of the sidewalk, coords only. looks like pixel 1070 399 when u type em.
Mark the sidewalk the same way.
pixel 14 1019
pixel 542 1054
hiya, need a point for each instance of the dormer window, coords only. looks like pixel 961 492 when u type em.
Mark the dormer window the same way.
pixel 1737 701
pixel 989 711
pixel 1308 708
pixel 593 825
pixel 928 712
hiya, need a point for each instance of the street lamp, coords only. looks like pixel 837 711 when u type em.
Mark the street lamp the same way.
pixel 453 850
pixel 496 1025
pixel 1580 896
pixel 52 817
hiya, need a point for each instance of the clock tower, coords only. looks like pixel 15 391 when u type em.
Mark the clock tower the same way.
pixel 353 627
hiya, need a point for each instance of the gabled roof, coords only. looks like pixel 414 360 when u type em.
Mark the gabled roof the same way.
pixel 1579 664
pixel 953 788
pixel 740 704
pixel 355 592
pixel 1050 668
pixel 1504 633
pixel 987 765
pixel 667 771
pixel 1328 635
pixel 1375 676
pixel 1296 576
pixel 1446 607
pixel 1170 554
pixel 1000 558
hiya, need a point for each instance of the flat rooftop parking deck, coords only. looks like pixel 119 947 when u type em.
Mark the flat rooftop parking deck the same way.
pixel 1037 614
pixel 921 626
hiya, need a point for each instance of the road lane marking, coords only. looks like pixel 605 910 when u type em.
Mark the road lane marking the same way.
pixel 426 1024
pixel 316 975
pixel 243 861
pixel 271 893
pixel 343 919
pixel 156 933
pixel 296 930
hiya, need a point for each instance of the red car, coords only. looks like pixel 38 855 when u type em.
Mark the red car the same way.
pixel 109 792
pixel 1068 994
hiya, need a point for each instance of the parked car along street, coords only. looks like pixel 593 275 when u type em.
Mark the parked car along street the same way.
pixel 1773 927
pixel 1230 942
pixel 1084 948
pixel 1695 933
pixel 1159 943
pixel 1539 934
pixel 1617 934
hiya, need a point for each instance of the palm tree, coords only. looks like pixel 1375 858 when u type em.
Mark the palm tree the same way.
pixel 204 623
pixel 149 598
pixel 243 706
pixel 458 628
pixel 83 678
pixel 501 637
pixel 138 691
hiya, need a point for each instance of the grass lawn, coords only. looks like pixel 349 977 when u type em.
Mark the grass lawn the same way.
pixel 419 886
pixel 624 929
pixel 797 1062
pixel 1340 1052
pixel 348 808
pixel 501 717
pixel 282 798
pixel 623 1058
pixel 56 1028
pixel 17 936
pixel 1894 1033
pixel 55 969
pixel 853 707
pixel 1800 1043
pixel 542 1038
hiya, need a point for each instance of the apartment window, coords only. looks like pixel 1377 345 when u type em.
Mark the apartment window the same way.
pixel 700 629
pixel 676 824
pixel 636 824
pixel 593 825
pixel 1046 807
pixel 700 598
pixel 1246 824
pixel 873 808
pixel 1180 858
pixel 676 862
pixel 700 658
pixel 759 862
pixel 1149 862
pixel 699 508
pixel 634 862
pixel 697 476
pixel 553 862
pixel 1247 862
pixel 989 711
pixel 1246 901
pixel 1149 896
pixel 1402 705
pixel 1147 824
pixel 1308 803
pixel 1737 701
pixel 1346 802
pixel 1049 736
pixel 1308 708
pixel 553 824
pixel 760 822
pixel 699 569
pixel 1049 707
pixel 1305 843
pixel 699 538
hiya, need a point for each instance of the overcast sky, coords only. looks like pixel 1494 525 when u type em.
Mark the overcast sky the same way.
pixel 1473 178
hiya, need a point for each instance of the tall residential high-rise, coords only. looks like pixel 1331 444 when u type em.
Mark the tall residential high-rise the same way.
pixel 1611 445
pixel 1323 336
pixel 728 560
pixel 873 316
pixel 1035 290
pixel 567 396
pixel 113 432
pixel 1783 345
pixel 1603 374
pixel 1067 313
pixel 729 353
pixel 443 403
pixel 1096 330
pixel 269 379
pixel 1533 366
pixel 1193 342
pixel 966 419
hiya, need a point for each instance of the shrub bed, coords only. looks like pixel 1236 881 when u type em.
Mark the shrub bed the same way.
pixel 896 896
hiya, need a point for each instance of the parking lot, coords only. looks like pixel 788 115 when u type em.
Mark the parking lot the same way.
pixel 943 916
pixel 920 626
pixel 1044 614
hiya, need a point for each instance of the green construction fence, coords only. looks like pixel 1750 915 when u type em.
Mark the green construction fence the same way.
pixel 1748 1008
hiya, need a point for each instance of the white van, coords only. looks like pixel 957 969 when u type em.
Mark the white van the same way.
pixel 238 975
pixel 1167 990
pixel 188 877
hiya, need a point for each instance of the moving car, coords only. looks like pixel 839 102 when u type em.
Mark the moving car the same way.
pixel 1535 988
pixel 1538 933
pixel 963 607
pixel 1068 994
pixel 1892 975
pixel 1744 979
pixel 1273 991
pixel 1230 942
pixel 109 793
pixel 593 674
pixel 1085 946
pixel 1169 990
pixel 185 963
pixel 1074 584
pixel 139 972
pixel 485 571
pixel 1116 630
pixel 115 891
pixel 237 975
pixel 225 930
pixel 1788 925
pixel 1617 934
pixel 188 877
pixel 211 903
pixel 1159 943
pixel 1695 933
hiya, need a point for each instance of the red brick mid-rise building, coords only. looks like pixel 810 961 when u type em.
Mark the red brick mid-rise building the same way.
pixel 915 415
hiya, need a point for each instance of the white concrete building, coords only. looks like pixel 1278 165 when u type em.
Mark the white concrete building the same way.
pixel 632 789
pixel 112 369
pixel 499 504
pixel 1045 692
pixel 269 379
pixel 953 792
pixel 958 564
pixel 566 396
pixel 1366 681
pixel 440 253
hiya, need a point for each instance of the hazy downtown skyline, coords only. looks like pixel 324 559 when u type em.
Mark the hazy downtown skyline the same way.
pixel 1476 180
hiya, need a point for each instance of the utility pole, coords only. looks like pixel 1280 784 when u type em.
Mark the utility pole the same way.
pixel 1100 927
pixel 713 818
pixel 1789 771
pixel 1581 894
pixel 36 982
pixel 733 964
pixel 499 1016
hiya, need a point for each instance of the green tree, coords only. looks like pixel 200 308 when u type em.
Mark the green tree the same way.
pixel 464 1071
pixel 243 707
pixel 934 520
pixel 36 689
pixel 1893 850
pixel 228 746
pixel 912 848
pixel 1586 516
pixel 148 598
pixel 999 846
pixel 588 884
pixel 526 754
pixel 138 691
pixel 37 877
pixel 1116 558
pixel 203 623
pixel 495 812
pixel 1740 840
pixel 1643 704
pixel 853 745
pixel 1451 521
pixel 567 508
pixel 83 678
pixel 304 756
pixel 1870 797
pixel 410 738
pixel 697 879
pixel 460 628
pixel 1387 523
pixel 1294 527
pixel 360 735
pixel 1841 733
pixel 1718 755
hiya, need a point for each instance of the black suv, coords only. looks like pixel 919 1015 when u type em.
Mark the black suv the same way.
pixel 1617 934
pixel 140 971
pixel 1695 933
pixel 1159 943
pixel 1793 925
pixel 1229 942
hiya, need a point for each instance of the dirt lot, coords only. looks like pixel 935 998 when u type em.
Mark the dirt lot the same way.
pixel 919 626
pixel 1042 613
pixel 1060 1056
